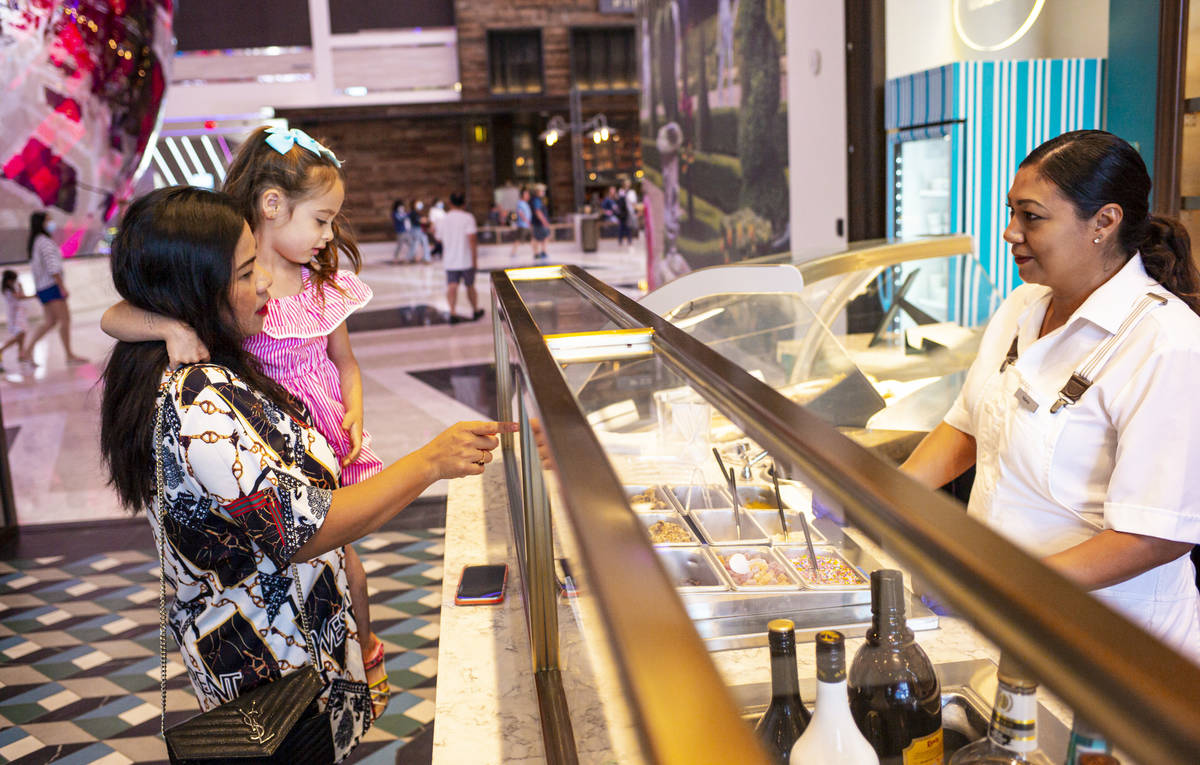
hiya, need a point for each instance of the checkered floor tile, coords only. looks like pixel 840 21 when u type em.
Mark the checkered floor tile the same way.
pixel 79 651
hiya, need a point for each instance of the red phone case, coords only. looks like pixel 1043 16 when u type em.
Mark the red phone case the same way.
pixel 479 601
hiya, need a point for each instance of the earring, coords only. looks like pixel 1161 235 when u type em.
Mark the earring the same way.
pixel 1096 240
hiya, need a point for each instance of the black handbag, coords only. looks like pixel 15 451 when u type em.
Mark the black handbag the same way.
pixel 279 722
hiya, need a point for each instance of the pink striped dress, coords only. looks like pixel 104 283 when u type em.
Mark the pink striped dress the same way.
pixel 293 348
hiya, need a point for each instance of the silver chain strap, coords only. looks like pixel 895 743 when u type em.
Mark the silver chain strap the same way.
pixel 161 492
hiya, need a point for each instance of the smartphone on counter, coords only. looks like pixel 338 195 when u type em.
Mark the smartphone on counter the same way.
pixel 480 585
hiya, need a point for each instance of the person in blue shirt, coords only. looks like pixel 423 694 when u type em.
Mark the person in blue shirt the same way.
pixel 402 226
pixel 524 225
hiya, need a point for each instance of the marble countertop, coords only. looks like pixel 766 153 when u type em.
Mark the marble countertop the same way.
pixel 487 708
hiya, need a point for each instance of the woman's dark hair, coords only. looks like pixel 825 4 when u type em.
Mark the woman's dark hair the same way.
pixel 1093 168
pixel 299 174
pixel 173 256
pixel 397 205
pixel 8 280
pixel 37 227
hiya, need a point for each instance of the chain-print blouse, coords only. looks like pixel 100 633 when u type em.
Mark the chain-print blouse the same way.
pixel 246 486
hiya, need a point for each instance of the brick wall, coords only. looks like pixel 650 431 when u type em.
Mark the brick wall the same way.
pixel 429 150
pixel 554 17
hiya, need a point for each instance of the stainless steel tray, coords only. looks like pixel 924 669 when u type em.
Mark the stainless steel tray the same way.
pixel 719 527
pixel 692 563
pixel 799 555
pixel 660 494
pixel 690 497
pixel 649 519
pixel 755 497
pixel 967 690
pixel 769 521
pixel 723 554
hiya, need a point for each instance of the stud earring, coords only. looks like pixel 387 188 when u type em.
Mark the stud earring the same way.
pixel 1096 240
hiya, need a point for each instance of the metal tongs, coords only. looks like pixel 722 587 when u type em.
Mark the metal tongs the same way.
pixel 731 481
pixel 812 553
pixel 779 503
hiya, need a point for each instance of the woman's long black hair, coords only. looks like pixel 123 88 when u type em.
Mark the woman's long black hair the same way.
pixel 173 256
pixel 1093 168
pixel 37 227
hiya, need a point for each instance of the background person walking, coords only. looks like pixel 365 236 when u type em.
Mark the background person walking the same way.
pixel 46 265
pixel 460 255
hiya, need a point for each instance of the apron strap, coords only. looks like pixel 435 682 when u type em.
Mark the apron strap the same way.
pixel 1010 358
pixel 1081 379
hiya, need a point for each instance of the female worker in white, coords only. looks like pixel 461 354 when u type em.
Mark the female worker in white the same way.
pixel 1080 413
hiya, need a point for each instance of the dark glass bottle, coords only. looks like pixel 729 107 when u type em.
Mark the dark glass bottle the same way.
pixel 895 696
pixel 786 717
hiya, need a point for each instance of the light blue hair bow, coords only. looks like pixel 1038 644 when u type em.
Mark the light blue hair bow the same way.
pixel 282 141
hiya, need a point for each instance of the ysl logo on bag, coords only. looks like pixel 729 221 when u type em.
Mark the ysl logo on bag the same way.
pixel 258 734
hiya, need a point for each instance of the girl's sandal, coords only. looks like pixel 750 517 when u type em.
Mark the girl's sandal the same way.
pixel 380 691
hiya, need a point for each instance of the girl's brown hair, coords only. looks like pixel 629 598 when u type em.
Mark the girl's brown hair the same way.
pixel 298 174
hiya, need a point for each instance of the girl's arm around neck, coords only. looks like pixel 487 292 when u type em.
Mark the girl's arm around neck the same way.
pixel 131 324
pixel 342 356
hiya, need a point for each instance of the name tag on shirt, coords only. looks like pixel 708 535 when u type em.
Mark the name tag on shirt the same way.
pixel 1025 400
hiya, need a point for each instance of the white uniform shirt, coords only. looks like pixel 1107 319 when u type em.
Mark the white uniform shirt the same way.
pixel 1126 456
pixel 454 230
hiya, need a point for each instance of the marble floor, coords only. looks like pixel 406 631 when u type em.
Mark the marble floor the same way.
pixel 52 413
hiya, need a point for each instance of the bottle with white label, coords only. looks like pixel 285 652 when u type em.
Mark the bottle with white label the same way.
pixel 1012 733
pixel 832 738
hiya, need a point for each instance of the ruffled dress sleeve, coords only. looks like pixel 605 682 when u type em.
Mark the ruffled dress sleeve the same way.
pixel 316 311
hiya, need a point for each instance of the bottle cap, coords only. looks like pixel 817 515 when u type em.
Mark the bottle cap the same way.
pixel 1010 672
pixel 887 591
pixel 781 635
pixel 831 656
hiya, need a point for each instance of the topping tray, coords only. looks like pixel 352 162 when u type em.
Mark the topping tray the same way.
pixel 649 499
pixel 697 497
pixel 718 527
pixel 669 529
pixel 756 569
pixel 691 569
pixel 769 521
pixel 835 572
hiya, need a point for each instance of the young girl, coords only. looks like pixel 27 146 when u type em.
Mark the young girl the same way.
pixel 291 190
pixel 13 295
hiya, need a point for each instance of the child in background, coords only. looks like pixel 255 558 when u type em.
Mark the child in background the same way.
pixel 291 190
pixel 13 295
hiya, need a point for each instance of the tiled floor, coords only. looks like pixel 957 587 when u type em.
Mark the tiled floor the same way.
pixel 79 641
pixel 78 618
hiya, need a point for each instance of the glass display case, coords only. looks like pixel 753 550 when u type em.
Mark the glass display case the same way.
pixel 649 533
pixel 905 317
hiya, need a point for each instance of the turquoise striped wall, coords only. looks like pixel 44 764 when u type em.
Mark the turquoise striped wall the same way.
pixel 998 111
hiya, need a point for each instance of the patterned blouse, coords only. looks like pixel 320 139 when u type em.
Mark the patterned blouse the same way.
pixel 246 486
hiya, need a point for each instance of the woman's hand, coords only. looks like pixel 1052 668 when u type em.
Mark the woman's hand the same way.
pixel 352 424
pixel 464 448
pixel 183 345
